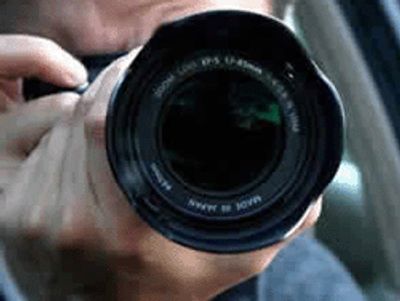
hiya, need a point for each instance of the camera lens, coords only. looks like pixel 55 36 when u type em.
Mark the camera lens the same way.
pixel 213 145
pixel 221 131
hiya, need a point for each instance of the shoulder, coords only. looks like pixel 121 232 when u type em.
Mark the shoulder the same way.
pixel 304 271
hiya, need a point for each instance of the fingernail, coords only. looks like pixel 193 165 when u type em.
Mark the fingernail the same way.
pixel 78 74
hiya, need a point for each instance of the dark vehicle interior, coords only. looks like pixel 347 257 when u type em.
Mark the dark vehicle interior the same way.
pixel 357 43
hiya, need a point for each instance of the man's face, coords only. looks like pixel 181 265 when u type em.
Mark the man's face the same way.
pixel 102 26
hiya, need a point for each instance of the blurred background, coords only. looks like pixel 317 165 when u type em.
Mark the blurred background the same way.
pixel 357 44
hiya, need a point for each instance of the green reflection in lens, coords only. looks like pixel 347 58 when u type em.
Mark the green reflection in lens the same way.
pixel 221 130
pixel 252 115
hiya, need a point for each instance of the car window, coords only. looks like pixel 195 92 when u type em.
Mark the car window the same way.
pixel 357 45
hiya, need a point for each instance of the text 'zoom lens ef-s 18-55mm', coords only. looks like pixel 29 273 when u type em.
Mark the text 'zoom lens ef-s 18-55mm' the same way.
pixel 223 132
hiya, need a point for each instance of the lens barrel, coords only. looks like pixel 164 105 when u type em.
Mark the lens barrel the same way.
pixel 223 131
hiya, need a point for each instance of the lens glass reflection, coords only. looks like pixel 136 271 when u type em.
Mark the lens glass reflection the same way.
pixel 221 130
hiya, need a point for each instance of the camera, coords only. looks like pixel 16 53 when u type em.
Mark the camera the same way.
pixel 223 132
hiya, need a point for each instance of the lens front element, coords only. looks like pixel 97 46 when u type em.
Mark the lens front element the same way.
pixel 221 130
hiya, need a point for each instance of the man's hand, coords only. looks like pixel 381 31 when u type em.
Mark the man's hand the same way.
pixel 69 231
pixel 22 125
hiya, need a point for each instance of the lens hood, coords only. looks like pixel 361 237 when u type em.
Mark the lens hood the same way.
pixel 164 173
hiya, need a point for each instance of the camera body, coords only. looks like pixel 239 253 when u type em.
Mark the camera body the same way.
pixel 222 132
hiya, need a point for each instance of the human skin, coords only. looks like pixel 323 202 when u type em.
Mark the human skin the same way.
pixel 99 26
pixel 67 229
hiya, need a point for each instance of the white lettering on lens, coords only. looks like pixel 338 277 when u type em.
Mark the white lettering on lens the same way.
pixel 187 68
pixel 249 66
pixel 248 203
pixel 242 63
pixel 293 117
pixel 210 61
pixel 226 208
pixel 164 86
pixel 206 207
pixel 160 178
